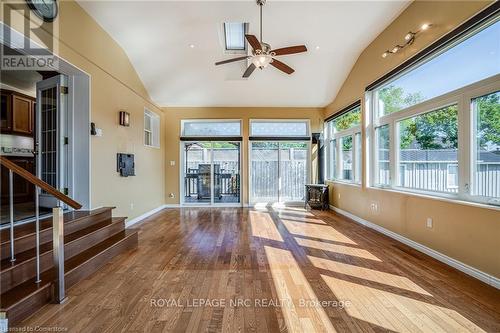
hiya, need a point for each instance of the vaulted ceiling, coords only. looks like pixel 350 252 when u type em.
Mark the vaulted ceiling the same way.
pixel 173 46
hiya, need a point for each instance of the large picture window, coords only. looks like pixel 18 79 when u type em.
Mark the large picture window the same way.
pixel 428 146
pixel 344 148
pixel 435 128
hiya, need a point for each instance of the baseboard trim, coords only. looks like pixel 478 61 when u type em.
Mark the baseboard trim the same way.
pixel 469 270
pixel 145 215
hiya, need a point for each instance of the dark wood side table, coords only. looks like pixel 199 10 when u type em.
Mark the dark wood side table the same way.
pixel 317 196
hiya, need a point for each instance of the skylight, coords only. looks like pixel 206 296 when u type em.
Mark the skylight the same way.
pixel 234 34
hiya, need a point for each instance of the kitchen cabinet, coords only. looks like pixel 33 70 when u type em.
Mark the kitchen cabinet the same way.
pixel 17 113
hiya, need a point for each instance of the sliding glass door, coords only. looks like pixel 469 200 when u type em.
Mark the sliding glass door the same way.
pixel 211 172
pixel 278 171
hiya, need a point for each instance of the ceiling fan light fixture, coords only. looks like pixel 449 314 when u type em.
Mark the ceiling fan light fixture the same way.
pixel 262 60
pixel 262 54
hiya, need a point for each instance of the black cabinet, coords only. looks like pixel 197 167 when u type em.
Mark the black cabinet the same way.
pixel 23 190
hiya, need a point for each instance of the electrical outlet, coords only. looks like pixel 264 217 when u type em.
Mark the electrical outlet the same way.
pixel 172 163
pixel 429 222
pixel 132 206
pixel 338 195
pixel 374 207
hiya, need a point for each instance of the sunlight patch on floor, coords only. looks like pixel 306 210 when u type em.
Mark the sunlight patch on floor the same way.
pixel 292 287
pixel 392 280
pixel 263 226
pixel 294 210
pixel 316 231
pixel 351 251
pixel 396 312
pixel 304 219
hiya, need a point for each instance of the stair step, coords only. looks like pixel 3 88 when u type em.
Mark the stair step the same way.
pixel 28 297
pixel 24 268
pixel 24 235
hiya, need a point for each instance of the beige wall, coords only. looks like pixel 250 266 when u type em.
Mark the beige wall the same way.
pixel 464 232
pixel 114 86
pixel 173 127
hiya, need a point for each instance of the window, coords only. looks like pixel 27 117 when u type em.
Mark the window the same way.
pixel 234 36
pixel 344 148
pixel 346 157
pixel 347 120
pixel 428 146
pixel 211 127
pixel 486 138
pixel 435 127
pixel 151 129
pixel 279 128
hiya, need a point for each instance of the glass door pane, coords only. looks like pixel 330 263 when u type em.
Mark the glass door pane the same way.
pixel 197 172
pixel 51 128
pixel 293 171
pixel 226 168
pixel 264 172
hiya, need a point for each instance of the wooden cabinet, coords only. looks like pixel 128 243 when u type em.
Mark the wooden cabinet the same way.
pixel 22 115
pixel 17 113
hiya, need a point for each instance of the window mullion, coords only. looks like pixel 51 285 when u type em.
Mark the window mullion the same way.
pixel 355 148
pixel 466 133
pixel 393 144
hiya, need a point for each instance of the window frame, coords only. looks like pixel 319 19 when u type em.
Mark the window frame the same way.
pixel 154 131
pixel 335 172
pixel 463 98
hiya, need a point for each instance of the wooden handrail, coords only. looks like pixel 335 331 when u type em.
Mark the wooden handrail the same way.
pixel 38 182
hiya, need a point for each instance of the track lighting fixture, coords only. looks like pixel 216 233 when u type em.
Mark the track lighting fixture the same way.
pixel 409 39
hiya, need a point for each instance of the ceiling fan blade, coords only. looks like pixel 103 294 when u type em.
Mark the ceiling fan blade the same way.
pixel 282 67
pixel 254 42
pixel 290 50
pixel 230 60
pixel 249 70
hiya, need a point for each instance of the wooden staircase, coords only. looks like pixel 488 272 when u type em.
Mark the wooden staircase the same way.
pixel 91 239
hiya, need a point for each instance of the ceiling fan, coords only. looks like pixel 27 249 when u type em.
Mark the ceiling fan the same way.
pixel 263 55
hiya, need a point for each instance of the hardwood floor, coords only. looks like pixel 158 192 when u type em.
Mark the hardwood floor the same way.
pixel 234 269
